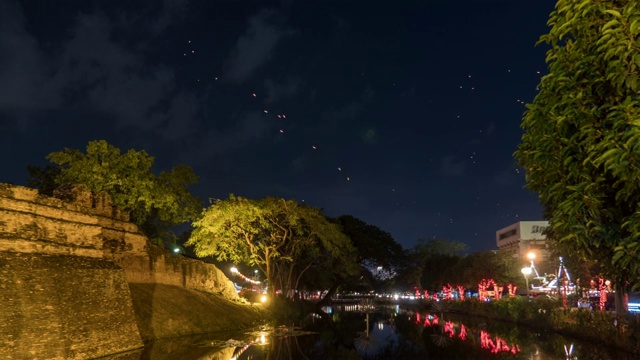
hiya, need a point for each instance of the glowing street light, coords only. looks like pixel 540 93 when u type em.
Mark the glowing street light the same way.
pixel 526 271
pixel 531 256
pixel 234 270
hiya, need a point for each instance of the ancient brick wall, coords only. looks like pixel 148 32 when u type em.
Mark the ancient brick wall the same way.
pixel 63 307
pixel 163 267
pixel 32 223
pixel 65 265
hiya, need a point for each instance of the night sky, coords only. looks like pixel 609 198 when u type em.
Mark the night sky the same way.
pixel 402 113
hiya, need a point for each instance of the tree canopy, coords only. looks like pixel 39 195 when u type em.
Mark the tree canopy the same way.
pixel 282 238
pixel 156 202
pixel 581 146
pixel 374 246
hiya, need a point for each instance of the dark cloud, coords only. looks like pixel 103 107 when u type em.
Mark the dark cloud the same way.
pixel 172 11
pixel 450 167
pixel 25 84
pixel 277 91
pixel 256 46
pixel 247 130
pixel 91 70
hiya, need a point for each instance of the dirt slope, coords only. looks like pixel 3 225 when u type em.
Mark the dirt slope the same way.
pixel 167 311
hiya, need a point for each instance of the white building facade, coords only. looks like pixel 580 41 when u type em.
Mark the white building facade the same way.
pixel 524 237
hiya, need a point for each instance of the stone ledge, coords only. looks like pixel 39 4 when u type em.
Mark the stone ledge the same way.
pixel 18 245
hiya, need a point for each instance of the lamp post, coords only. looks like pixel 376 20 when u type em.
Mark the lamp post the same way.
pixel 234 270
pixel 526 271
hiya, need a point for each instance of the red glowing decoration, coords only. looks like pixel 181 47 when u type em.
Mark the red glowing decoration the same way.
pixel 499 345
pixel 602 287
pixel 449 329
pixel 498 291
pixel 512 290
pixel 429 320
pixel 483 288
pixel 460 292
pixel 447 291
pixel 463 332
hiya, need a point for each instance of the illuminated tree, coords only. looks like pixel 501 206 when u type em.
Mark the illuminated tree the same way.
pixel 283 239
pixel 581 146
pixel 155 202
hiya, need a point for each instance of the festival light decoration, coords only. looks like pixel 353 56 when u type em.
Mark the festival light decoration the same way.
pixel 602 287
pixel 565 284
pixel 447 291
pixel 460 292
pixel 568 351
pixel 449 329
pixel 483 288
pixel 463 332
pixel 498 291
pixel 494 345
pixel 235 271
pixel 499 345
pixel 512 290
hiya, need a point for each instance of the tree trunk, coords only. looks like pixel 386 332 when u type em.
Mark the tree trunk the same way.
pixel 327 298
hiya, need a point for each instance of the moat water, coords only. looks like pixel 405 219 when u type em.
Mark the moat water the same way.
pixel 392 333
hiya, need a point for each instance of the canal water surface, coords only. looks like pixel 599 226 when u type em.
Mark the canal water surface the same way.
pixel 386 333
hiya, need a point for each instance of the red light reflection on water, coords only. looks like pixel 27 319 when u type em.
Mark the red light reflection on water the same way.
pixel 495 345
pixel 498 345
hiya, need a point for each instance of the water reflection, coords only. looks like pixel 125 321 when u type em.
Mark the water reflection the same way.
pixel 357 332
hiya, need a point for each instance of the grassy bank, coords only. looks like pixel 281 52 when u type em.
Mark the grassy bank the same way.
pixel 164 311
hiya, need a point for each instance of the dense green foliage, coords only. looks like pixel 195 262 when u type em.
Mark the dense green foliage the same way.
pixel 435 263
pixel 156 202
pixel 581 146
pixel 282 238
pixel 374 248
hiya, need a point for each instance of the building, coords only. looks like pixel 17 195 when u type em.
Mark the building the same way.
pixel 525 237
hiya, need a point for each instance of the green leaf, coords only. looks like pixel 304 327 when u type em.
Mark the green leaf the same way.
pixel 614 13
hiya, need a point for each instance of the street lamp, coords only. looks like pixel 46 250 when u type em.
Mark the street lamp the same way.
pixel 531 256
pixel 234 270
pixel 526 271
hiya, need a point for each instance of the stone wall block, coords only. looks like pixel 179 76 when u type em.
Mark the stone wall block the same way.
pixel 64 307
pixel 78 194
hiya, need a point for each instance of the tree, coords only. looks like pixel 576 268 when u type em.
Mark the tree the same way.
pixel 436 260
pixel 374 247
pixel 43 178
pixel 283 239
pixel 155 202
pixel 499 266
pixel 581 146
